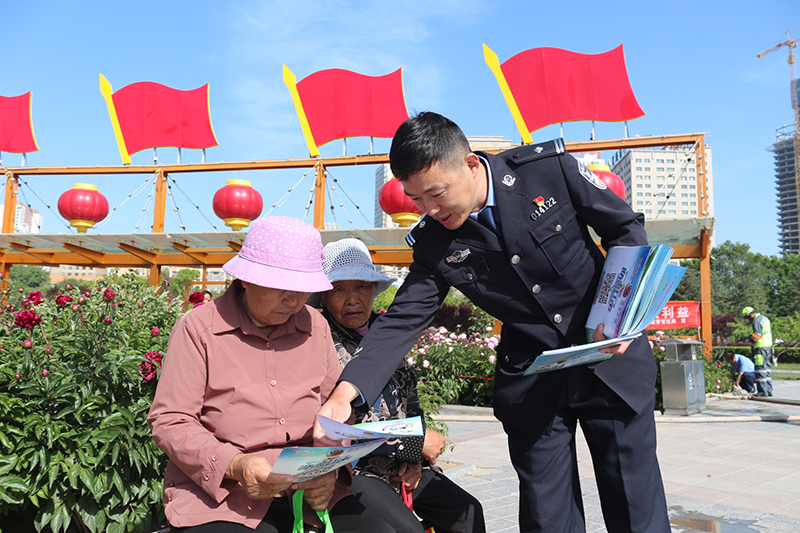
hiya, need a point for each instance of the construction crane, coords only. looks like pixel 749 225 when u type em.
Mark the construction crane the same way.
pixel 793 90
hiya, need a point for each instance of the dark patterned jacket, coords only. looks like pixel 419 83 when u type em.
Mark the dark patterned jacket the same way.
pixel 397 400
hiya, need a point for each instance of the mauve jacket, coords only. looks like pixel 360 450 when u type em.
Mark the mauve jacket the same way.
pixel 225 389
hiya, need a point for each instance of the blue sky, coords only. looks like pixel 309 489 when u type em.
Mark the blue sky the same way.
pixel 692 66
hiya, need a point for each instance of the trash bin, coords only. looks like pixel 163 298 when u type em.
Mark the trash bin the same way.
pixel 683 381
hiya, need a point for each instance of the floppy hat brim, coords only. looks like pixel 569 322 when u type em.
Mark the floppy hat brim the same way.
pixel 380 281
pixel 277 278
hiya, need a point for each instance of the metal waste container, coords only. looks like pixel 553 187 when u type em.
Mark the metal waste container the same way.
pixel 683 381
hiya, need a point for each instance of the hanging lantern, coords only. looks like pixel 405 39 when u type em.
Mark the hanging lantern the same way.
pixel 393 200
pixel 237 203
pixel 83 206
pixel 611 180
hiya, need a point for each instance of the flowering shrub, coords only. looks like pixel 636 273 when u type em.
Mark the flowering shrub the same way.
pixel 76 383
pixel 439 357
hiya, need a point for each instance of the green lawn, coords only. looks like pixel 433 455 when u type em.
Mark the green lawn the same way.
pixel 777 374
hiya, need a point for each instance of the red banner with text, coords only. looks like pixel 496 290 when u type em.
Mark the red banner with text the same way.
pixel 678 315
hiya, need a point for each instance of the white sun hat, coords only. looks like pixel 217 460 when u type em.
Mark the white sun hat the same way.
pixel 349 259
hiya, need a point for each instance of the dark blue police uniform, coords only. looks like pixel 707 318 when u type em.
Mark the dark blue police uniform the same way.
pixel 539 278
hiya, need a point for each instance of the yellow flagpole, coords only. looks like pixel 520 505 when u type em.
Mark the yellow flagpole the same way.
pixel 107 91
pixel 291 82
pixel 494 65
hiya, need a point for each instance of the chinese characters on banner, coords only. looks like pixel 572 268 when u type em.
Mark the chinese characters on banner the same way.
pixel 678 315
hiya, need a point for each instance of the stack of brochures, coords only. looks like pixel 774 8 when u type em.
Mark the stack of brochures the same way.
pixel 635 285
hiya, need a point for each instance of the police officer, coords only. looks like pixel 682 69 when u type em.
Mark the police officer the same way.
pixel 510 231
pixel 762 350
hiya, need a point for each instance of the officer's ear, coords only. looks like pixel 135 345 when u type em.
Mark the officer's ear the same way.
pixel 473 163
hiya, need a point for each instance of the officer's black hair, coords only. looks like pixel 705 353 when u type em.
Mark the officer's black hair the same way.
pixel 424 140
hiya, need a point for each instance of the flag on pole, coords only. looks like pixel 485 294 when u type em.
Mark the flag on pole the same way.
pixel 16 124
pixel 149 115
pixel 335 103
pixel 545 86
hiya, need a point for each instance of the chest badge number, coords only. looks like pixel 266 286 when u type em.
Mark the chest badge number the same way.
pixel 458 256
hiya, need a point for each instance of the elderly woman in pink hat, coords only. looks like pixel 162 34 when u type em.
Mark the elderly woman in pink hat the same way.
pixel 242 379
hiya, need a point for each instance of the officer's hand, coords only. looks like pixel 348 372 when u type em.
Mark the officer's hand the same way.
pixel 253 472
pixel 616 349
pixel 337 408
pixel 434 445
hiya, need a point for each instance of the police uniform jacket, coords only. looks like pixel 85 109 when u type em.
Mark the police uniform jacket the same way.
pixel 539 279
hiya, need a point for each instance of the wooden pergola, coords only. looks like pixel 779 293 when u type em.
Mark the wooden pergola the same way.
pixel 690 238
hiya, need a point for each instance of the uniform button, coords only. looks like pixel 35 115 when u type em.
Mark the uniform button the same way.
pixel 514 259
pixel 536 288
pixel 469 277
pixel 283 420
pixel 558 227
pixel 205 477
pixel 557 318
pixel 213 457
pixel 506 359
pixel 273 382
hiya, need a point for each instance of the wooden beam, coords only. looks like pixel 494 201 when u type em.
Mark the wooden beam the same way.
pixel 44 256
pixel 686 251
pixel 10 206
pixel 706 335
pixel 393 258
pixel 145 255
pixel 160 201
pixel 94 256
pixel 319 197
pixel 235 246
pixel 199 256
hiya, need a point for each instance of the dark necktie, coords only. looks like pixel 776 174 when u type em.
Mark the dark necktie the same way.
pixel 487 218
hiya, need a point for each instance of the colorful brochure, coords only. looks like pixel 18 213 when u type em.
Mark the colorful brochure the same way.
pixel 635 284
pixel 310 462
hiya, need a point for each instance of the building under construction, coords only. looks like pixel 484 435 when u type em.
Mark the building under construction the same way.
pixel 786 188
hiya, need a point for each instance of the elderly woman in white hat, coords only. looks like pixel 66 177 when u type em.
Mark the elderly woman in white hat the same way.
pixel 243 377
pixel 402 465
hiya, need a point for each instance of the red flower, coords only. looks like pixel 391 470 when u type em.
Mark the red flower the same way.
pixel 62 300
pixel 154 332
pixel 108 294
pixel 26 319
pixel 27 344
pixel 45 372
pixel 155 357
pixel 196 298
pixel 148 371
pixel 35 297
pixel 48 351
pixel 26 304
pixel 108 320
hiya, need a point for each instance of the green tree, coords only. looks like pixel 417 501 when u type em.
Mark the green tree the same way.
pixel 689 287
pixel 740 278
pixel 785 290
pixel 30 278
pixel 176 282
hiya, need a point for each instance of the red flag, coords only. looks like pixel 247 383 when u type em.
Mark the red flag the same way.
pixel 150 115
pixel 340 103
pixel 552 85
pixel 16 124
pixel 678 315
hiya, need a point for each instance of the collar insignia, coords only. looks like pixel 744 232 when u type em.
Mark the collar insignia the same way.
pixel 538 149
pixel 508 180
pixel 458 256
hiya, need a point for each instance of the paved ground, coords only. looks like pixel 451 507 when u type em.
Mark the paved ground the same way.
pixel 734 468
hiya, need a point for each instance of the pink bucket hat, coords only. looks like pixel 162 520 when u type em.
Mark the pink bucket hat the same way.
pixel 281 253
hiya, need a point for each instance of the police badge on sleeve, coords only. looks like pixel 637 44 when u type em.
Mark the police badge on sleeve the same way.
pixel 590 176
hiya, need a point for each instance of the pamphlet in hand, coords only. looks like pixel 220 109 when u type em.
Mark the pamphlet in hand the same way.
pixel 635 285
pixel 310 462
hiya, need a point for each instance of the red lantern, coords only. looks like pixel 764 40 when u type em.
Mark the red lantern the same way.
pixel 237 203
pixel 393 200
pixel 83 206
pixel 609 178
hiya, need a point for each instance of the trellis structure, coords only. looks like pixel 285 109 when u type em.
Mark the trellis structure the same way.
pixel 689 238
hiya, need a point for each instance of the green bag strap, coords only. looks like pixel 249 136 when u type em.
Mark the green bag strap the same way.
pixel 297 507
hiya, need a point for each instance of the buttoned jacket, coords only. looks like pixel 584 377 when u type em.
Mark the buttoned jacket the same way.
pixel 539 278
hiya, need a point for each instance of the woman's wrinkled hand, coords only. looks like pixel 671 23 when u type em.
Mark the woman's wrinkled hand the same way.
pixel 408 474
pixel 319 490
pixel 434 445
pixel 254 473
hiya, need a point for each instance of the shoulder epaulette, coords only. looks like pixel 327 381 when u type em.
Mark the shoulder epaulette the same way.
pixel 532 152
pixel 421 227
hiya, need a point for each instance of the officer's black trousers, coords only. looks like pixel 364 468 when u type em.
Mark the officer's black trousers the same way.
pixel 623 448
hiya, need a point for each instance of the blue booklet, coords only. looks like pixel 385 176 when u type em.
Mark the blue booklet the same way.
pixel 635 285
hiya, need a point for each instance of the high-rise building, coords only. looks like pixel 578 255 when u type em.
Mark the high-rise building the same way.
pixel 786 189
pixel 26 219
pixel 664 183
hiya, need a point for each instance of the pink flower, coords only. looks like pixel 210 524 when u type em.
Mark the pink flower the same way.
pixel 108 294
pixel 426 363
pixel 154 332
pixel 81 299
pixel 718 381
pixel 45 372
pixel 62 300
pixel 382 311
pixel 140 303
pixel 717 386
pixel 27 319
pixel 410 360
pixel 27 344
pixel 76 307
pixel 48 351
pixel 492 359
pixel 17 376
pixel 68 286
pixel 661 349
pixel 35 297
